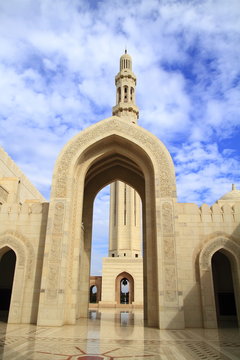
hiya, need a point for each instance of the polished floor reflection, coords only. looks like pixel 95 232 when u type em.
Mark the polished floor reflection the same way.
pixel 115 335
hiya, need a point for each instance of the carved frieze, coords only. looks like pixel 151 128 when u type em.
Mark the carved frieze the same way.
pixel 170 293
pixel 18 242
pixel 55 250
pixel 205 258
pixel 167 218
pixel 141 137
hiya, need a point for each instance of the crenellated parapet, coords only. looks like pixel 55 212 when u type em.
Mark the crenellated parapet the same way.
pixel 26 208
pixel 217 213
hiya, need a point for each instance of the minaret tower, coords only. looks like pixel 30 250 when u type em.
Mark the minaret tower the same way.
pixel 125 221
pixel 125 82
pixel 124 264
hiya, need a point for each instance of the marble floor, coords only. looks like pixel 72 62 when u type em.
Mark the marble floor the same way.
pixel 115 335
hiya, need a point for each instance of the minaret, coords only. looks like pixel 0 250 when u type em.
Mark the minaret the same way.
pixel 125 82
pixel 125 203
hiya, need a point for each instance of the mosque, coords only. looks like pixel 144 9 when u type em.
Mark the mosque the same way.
pixel 178 261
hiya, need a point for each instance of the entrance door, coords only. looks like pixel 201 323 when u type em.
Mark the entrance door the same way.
pixel 224 290
pixel 93 294
pixel 124 291
pixel 7 268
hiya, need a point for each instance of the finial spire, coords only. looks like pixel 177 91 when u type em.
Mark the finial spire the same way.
pixel 125 82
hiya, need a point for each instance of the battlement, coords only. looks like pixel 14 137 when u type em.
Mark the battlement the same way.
pixel 190 213
pixel 27 208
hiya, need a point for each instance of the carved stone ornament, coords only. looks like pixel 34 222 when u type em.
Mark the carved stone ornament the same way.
pixel 215 245
pixel 170 283
pixel 55 251
pixel 104 129
pixel 18 243
pixel 167 218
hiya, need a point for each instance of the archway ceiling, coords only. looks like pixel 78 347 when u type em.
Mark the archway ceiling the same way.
pixel 112 168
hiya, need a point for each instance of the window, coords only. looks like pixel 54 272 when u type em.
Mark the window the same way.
pixel 131 93
pixel 119 95
pixel 125 93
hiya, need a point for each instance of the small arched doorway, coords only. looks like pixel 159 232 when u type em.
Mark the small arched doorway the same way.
pixel 224 290
pixel 7 270
pixel 124 289
pixel 93 294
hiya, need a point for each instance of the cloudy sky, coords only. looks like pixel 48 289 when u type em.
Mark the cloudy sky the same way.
pixel 58 59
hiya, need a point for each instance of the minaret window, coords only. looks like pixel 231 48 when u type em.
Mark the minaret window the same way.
pixel 131 93
pixel 119 95
pixel 125 93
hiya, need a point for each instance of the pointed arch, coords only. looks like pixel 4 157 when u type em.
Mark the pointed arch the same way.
pixel 120 277
pixel 110 150
pixel 23 270
pixel 232 250
pixel 133 134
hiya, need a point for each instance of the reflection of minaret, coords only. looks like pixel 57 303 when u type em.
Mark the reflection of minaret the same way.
pixel 124 234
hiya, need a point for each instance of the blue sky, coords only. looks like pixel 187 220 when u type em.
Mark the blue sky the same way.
pixel 58 59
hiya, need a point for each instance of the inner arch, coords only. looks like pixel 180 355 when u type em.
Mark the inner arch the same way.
pixel 104 163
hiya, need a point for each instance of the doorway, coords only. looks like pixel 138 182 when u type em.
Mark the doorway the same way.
pixel 124 289
pixel 93 294
pixel 224 290
pixel 7 269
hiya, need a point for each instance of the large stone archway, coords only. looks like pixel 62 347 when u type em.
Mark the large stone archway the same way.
pixel 108 151
pixel 232 251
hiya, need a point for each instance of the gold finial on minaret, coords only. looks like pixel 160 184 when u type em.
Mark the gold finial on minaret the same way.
pixel 125 82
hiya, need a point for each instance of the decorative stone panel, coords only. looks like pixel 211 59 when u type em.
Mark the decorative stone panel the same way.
pixel 107 128
pixel 55 251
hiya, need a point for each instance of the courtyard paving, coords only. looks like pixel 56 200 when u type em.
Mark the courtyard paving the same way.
pixel 115 335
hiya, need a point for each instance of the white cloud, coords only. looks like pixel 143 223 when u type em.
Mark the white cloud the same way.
pixel 204 173
pixel 58 60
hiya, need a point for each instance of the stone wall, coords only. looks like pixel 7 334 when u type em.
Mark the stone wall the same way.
pixel 195 228
pixel 112 267
pixel 23 229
